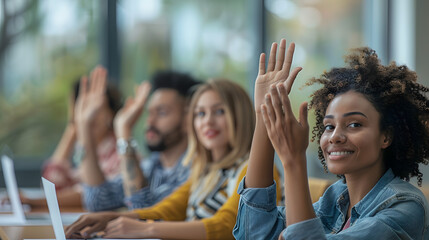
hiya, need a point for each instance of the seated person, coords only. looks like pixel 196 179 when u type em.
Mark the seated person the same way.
pixel 220 123
pixel 144 183
pixel 61 170
pixel 372 127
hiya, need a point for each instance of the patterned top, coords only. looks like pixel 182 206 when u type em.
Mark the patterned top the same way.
pixel 161 182
pixel 204 205
pixel 220 225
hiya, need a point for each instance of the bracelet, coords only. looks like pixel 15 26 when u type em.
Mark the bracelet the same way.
pixel 125 147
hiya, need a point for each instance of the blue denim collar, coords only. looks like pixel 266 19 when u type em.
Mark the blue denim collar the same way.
pixel 364 204
pixel 357 210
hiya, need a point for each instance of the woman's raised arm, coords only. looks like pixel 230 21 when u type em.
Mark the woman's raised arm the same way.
pixel 260 170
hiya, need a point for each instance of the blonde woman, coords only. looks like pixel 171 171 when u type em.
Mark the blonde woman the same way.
pixel 221 120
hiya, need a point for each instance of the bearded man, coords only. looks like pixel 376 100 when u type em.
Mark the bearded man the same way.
pixel 144 182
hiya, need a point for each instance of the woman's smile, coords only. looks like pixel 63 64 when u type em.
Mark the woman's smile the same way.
pixel 338 155
pixel 211 133
pixel 352 140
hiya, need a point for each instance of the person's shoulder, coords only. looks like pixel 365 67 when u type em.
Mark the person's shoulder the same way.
pixel 400 194
pixel 400 191
pixel 399 188
pixel 407 199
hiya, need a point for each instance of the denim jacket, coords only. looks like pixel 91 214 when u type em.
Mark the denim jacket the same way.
pixel 393 209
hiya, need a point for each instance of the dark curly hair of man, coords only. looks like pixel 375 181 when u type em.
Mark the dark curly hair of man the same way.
pixel 183 83
pixel 394 92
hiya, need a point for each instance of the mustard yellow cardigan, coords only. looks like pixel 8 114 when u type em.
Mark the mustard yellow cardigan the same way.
pixel 219 226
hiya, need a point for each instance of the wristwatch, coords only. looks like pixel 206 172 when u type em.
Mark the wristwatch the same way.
pixel 125 147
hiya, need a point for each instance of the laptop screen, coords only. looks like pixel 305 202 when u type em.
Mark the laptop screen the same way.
pixel 18 216
pixel 54 209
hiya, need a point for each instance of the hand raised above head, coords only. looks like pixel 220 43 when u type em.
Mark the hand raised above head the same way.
pixel 277 71
pixel 288 135
pixel 92 96
pixel 126 118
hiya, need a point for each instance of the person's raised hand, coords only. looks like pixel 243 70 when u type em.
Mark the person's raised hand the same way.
pixel 277 71
pixel 92 96
pixel 288 135
pixel 126 118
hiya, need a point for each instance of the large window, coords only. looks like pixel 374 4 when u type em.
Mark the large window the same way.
pixel 59 41
pixel 46 45
pixel 204 38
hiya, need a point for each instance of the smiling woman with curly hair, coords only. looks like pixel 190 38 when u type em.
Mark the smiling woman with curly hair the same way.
pixel 372 127
pixel 398 98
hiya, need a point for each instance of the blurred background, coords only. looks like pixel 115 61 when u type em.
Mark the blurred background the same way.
pixel 45 45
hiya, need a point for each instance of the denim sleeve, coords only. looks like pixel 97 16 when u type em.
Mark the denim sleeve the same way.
pixel 369 228
pixel 258 216
pixel 308 229
pixel 404 220
pixel 107 196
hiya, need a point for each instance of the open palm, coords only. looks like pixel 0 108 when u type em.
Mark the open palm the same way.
pixel 92 96
pixel 277 71
pixel 288 135
pixel 129 114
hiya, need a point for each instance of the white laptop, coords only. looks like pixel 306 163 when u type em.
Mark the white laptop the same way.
pixel 54 210
pixel 18 216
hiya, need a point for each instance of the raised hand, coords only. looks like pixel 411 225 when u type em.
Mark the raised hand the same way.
pixel 92 96
pixel 129 114
pixel 277 71
pixel 260 168
pixel 90 103
pixel 288 135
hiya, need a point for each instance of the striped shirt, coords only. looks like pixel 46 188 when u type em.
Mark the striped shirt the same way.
pixel 202 205
pixel 161 182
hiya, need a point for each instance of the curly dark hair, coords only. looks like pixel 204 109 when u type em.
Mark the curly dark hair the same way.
pixel 183 83
pixel 394 92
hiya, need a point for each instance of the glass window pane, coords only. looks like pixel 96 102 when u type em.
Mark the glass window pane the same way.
pixel 48 45
pixel 204 38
